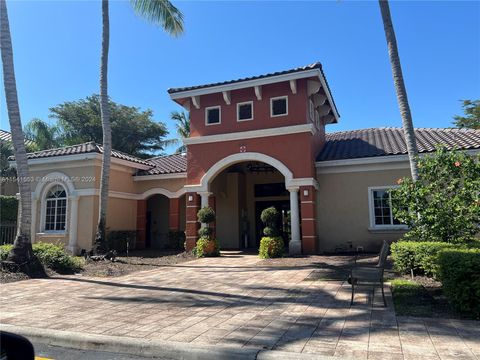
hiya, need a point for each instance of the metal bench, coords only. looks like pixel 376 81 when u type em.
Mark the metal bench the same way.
pixel 370 274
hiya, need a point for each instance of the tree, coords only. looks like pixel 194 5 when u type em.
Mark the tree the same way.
pixel 401 91
pixel 21 253
pixel 160 12
pixel 183 129
pixel 444 203
pixel 135 131
pixel 471 120
pixel 41 135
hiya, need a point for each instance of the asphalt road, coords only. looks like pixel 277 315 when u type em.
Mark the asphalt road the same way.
pixel 60 353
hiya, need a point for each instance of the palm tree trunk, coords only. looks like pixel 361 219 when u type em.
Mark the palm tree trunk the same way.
pixel 100 237
pixel 22 248
pixel 400 88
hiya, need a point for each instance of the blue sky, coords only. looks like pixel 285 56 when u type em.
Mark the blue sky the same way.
pixel 57 47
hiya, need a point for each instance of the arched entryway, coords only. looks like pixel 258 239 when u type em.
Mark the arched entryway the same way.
pixel 236 169
pixel 158 215
pixel 239 193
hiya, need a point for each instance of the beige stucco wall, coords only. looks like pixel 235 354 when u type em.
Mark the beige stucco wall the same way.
pixel 343 209
pixel 172 185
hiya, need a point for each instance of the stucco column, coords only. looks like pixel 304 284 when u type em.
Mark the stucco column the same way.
pixel 72 229
pixel 295 245
pixel 174 214
pixel 309 230
pixel 141 224
pixel 193 204
pixel 33 225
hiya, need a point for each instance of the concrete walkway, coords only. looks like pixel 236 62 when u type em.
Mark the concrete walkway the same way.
pixel 234 301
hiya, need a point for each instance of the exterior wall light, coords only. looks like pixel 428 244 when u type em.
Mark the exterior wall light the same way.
pixel 190 198
pixel 305 193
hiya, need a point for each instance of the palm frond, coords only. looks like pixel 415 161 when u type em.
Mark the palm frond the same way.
pixel 162 13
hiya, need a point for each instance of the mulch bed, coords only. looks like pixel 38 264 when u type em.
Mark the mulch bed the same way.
pixel 138 260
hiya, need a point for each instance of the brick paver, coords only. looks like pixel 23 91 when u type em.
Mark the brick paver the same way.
pixel 233 300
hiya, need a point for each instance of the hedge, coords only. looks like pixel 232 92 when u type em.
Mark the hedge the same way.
pixel 51 256
pixel 459 272
pixel 8 208
pixel 419 257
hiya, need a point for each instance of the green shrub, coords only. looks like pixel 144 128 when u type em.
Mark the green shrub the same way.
pixel 4 250
pixel 271 247
pixel 421 257
pixel 269 217
pixel 176 239
pixel 443 204
pixel 51 256
pixel 54 257
pixel 207 247
pixel 8 209
pixel 459 272
pixel 205 232
pixel 118 239
pixel 206 215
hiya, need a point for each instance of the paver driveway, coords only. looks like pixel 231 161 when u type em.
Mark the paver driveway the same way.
pixel 235 301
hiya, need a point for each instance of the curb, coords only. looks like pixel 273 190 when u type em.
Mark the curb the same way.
pixel 150 348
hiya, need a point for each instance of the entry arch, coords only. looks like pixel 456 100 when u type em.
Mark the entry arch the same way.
pixel 230 160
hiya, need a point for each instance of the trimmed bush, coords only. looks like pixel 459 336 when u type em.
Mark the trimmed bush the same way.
pixel 8 209
pixel 176 240
pixel 459 272
pixel 271 247
pixel 419 257
pixel 206 215
pixel 51 256
pixel 207 247
pixel 117 240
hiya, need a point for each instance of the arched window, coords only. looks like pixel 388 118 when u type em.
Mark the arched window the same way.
pixel 56 209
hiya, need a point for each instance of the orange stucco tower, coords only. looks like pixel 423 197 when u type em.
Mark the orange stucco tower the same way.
pixel 276 119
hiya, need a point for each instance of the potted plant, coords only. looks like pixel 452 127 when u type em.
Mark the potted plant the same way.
pixel 207 245
pixel 271 245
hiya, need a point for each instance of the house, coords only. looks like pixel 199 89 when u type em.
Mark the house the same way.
pixel 255 142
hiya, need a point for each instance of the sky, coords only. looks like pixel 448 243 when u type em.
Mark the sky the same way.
pixel 57 54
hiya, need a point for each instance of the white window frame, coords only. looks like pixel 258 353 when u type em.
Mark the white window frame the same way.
pixel 311 110
pixel 219 115
pixel 238 110
pixel 43 215
pixel 271 105
pixel 371 210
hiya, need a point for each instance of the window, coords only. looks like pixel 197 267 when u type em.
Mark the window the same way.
pixel 245 111
pixel 212 115
pixel 279 106
pixel 56 209
pixel 381 214
pixel 311 109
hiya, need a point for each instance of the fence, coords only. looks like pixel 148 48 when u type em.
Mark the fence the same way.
pixel 8 231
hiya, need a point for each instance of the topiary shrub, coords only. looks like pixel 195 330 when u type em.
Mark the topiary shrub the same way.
pixel 459 272
pixel 271 245
pixel 8 209
pixel 418 258
pixel 206 245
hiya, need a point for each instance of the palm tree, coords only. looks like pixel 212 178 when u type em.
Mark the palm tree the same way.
pixel 183 129
pixel 22 252
pixel 402 99
pixel 162 13
pixel 42 136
